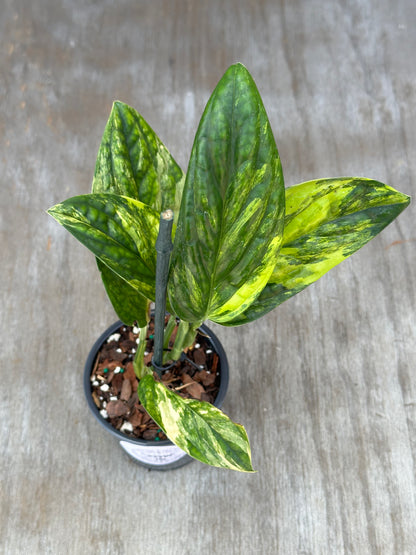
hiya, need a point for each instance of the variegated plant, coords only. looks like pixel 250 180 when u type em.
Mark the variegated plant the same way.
pixel 238 252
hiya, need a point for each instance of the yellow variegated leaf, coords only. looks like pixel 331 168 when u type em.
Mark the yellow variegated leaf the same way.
pixel 197 427
pixel 326 221
pixel 231 220
pixel 120 231
pixel 133 162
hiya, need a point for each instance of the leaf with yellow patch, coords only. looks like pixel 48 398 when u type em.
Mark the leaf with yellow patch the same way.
pixel 230 224
pixel 120 231
pixel 201 430
pixel 326 221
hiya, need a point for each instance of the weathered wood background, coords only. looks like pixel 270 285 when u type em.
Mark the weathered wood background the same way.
pixel 325 384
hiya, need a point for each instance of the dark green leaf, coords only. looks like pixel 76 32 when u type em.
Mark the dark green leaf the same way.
pixel 128 303
pixel 133 162
pixel 120 231
pixel 231 220
pixel 327 220
pixel 198 428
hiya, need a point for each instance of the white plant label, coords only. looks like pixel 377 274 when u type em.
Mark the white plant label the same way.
pixel 158 456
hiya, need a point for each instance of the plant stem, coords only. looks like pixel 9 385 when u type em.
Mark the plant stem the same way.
pixel 184 338
pixel 138 363
pixel 170 326
pixel 163 249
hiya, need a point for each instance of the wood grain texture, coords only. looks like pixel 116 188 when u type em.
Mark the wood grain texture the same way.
pixel 325 384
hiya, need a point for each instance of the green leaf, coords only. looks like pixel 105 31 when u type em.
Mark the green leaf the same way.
pixel 231 221
pixel 120 231
pixel 197 427
pixel 133 162
pixel 129 304
pixel 327 220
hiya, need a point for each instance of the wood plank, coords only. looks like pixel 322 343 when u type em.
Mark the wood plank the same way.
pixel 324 384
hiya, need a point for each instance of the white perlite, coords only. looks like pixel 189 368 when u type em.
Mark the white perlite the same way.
pixel 114 337
pixel 136 330
pixel 126 427
pixel 105 387
pixel 104 413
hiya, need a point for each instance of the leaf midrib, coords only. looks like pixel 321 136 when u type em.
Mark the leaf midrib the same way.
pixel 221 233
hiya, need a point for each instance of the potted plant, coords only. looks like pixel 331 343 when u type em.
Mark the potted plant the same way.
pixel 242 243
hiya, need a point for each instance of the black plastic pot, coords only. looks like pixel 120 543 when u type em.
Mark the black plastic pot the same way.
pixel 156 455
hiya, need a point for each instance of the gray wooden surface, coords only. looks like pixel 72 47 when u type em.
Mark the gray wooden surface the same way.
pixel 325 384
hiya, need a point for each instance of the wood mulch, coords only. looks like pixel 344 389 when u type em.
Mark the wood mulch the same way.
pixel 114 383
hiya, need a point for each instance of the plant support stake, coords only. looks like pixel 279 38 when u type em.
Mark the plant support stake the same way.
pixel 163 249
